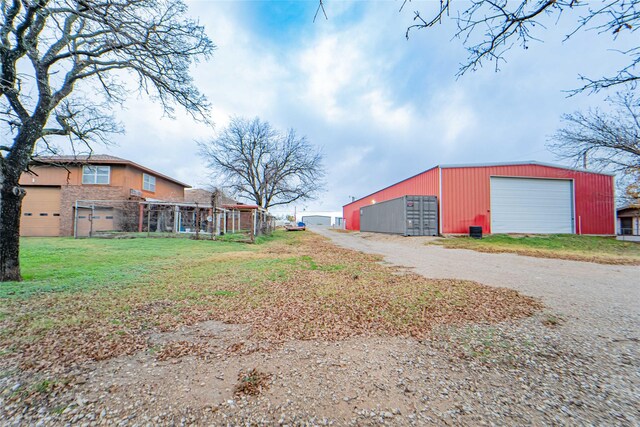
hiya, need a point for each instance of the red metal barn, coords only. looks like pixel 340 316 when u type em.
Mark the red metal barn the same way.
pixel 522 197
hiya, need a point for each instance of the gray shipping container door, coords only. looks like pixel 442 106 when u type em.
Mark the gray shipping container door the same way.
pixel 407 215
pixel 422 216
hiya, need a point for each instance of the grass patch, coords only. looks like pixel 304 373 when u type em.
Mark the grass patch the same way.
pixel 604 250
pixel 97 299
pixel 69 265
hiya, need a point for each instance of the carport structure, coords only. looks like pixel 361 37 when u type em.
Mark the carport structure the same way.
pixel 519 197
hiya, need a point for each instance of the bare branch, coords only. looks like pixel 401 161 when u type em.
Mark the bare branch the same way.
pixel 603 141
pixel 264 165
pixel 490 28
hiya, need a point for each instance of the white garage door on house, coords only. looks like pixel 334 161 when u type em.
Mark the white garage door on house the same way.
pixel 531 205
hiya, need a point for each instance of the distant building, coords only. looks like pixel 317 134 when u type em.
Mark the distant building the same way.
pixel 629 220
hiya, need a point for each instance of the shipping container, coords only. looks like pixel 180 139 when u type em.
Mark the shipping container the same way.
pixel 408 216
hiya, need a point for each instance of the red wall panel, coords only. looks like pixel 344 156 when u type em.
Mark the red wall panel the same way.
pixel 423 184
pixel 465 197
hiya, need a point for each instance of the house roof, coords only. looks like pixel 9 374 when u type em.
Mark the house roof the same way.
pixel 628 211
pixel 240 206
pixel 482 165
pixel 201 195
pixel 100 159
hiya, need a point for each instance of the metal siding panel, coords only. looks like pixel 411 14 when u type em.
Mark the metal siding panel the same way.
pixel 465 200
pixel 531 205
pixel 466 196
pixel 424 184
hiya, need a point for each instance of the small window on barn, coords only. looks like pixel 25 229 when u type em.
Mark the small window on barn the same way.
pixel 96 174
pixel 148 183
pixel 44 214
pixel 56 214
pixel 96 217
pixel 28 214
pixel 108 217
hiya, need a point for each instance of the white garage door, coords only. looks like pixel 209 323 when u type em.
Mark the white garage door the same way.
pixel 531 205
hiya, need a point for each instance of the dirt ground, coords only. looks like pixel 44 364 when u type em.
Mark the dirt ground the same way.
pixel 575 363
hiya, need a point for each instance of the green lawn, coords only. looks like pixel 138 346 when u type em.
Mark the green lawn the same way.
pixel 606 250
pixel 66 264
pixel 94 299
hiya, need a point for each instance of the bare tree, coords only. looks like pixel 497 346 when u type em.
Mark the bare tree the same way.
pixel 604 140
pixel 65 62
pixel 490 28
pixel 262 164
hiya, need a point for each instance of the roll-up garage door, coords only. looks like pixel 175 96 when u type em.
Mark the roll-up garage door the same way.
pixel 41 212
pixel 531 205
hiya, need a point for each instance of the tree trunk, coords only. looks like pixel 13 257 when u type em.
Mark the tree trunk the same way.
pixel 11 195
pixel 10 209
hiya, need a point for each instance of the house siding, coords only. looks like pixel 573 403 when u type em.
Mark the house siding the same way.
pixel 70 193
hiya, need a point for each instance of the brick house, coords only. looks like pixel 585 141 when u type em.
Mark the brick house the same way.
pixel 54 185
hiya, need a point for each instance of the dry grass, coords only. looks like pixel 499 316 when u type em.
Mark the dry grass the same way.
pixel 601 250
pixel 299 286
pixel 251 382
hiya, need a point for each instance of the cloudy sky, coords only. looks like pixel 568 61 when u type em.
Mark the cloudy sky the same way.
pixel 381 107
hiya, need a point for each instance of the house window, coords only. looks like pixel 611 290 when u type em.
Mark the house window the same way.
pixel 148 183
pixel 95 174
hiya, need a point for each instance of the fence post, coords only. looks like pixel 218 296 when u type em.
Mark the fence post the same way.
pixel 93 209
pixel 253 226
pixel 140 217
pixel 75 222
